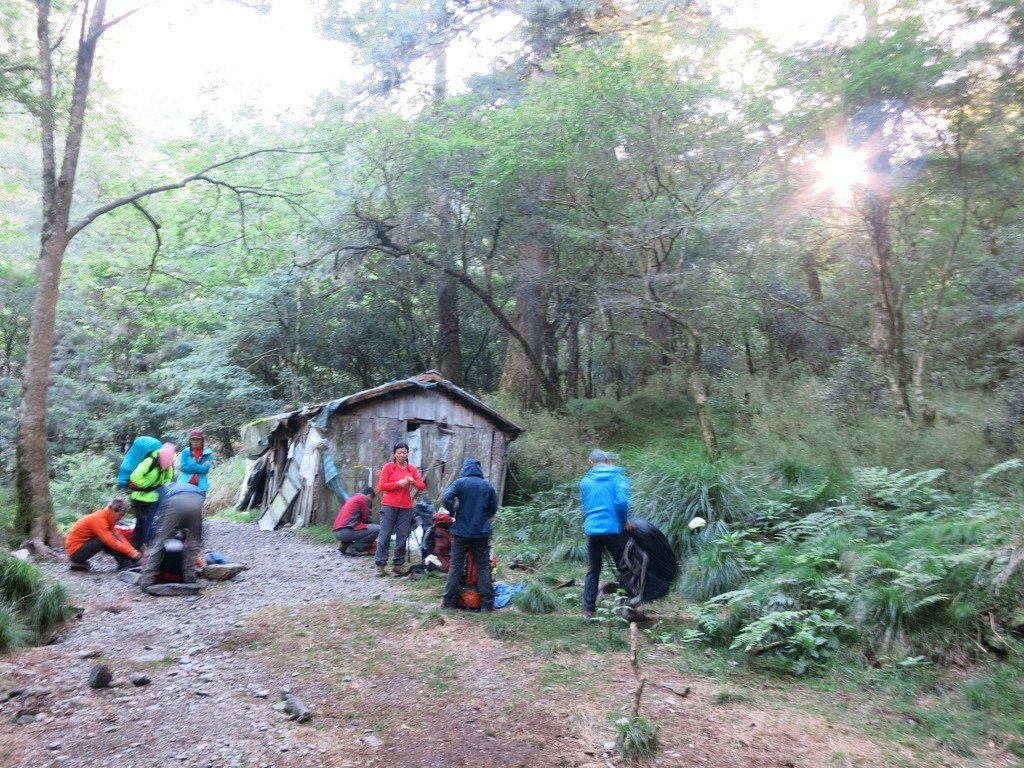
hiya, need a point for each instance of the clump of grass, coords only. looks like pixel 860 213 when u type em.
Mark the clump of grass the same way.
pixel 636 739
pixel 51 607
pixel 29 608
pixel 225 480
pixel 12 632
pixel 536 598
pixel 19 579
pixel 501 631
pixel 728 697
pixel 673 488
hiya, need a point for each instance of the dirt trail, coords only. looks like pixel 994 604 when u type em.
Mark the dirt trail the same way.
pixel 209 702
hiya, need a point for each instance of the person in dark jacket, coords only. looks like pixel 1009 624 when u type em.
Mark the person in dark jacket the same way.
pixel 180 509
pixel 604 492
pixel 473 501
pixel 352 526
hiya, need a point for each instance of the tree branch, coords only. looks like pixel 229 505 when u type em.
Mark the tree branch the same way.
pixel 201 175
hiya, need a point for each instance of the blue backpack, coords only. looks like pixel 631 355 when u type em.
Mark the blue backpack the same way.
pixel 142 447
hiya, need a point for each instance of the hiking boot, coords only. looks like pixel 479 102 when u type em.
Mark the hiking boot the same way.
pixel 358 553
pixel 343 548
pixel 588 615
pixel 447 606
pixel 86 566
pixel 380 571
pixel 398 570
pixel 486 608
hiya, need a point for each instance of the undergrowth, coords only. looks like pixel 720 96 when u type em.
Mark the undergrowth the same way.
pixel 30 607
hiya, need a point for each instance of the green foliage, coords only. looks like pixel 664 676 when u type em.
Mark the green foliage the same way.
pixel 29 607
pixel 908 571
pixel 13 633
pixel 636 739
pixel 716 567
pixel 910 491
pixel 806 640
pixel 19 580
pixel 672 488
pixel 225 480
pixel 51 608
pixel 536 598
pixel 82 484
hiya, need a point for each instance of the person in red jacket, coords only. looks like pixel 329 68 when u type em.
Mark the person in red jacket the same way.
pixel 396 481
pixel 352 526
pixel 98 532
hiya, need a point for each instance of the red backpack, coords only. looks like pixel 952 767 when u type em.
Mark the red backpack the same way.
pixel 469 595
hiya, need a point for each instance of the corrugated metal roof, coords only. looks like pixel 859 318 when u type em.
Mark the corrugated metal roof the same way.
pixel 319 413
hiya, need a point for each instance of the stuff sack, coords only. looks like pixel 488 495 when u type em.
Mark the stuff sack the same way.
pixel 651 560
pixel 142 447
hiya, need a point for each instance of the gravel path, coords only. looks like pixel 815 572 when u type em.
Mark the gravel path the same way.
pixel 197 688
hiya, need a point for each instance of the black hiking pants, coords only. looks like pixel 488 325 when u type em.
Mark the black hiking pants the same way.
pixel 93 547
pixel 481 550
pixel 615 544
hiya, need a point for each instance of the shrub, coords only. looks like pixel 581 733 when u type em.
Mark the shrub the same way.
pixel 82 483
pixel 225 479
pixel 536 598
pixel 29 607
pixel 673 488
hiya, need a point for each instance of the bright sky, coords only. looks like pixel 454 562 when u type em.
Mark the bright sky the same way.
pixel 175 60
pixel 178 59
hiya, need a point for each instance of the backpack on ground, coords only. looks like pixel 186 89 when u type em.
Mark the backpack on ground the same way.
pixel 469 594
pixel 437 542
pixel 141 448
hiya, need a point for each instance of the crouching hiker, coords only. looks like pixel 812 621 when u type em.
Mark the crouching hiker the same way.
pixel 473 501
pixel 181 508
pixel 352 526
pixel 96 533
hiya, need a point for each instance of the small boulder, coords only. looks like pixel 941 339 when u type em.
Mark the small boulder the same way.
pixel 296 708
pixel 222 571
pixel 100 676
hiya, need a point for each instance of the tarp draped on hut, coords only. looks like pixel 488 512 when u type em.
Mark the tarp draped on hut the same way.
pixel 309 460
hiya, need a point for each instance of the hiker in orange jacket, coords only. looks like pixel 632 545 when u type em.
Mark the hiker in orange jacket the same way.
pixel 98 532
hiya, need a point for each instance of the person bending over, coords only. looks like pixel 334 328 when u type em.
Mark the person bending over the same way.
pixel 97 532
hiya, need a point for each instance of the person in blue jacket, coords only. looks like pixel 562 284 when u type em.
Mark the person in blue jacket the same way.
pixel 473 501
pixel 604 491
pixel 196 461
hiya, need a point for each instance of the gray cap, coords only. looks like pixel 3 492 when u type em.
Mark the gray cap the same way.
pixel 599 455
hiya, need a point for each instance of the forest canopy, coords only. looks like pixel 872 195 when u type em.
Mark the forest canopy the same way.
pixel 640 223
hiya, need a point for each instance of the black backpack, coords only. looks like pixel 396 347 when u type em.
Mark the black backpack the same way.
pixel 651 560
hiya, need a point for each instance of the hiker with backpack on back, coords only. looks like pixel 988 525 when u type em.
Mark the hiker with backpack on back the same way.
pixel 153 469
pixel 473 501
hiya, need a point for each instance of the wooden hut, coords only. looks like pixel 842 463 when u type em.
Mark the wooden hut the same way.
pixel 307 461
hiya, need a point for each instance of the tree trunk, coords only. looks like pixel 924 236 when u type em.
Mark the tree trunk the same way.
pixel 517 376
pixel 35 514
pixel 448 352
pixel 888 335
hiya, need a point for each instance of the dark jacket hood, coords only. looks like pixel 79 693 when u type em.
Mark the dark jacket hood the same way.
pixel 471 468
